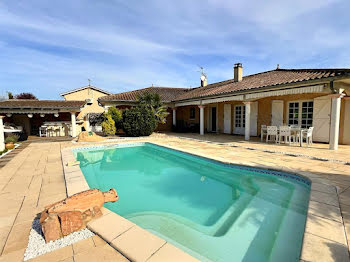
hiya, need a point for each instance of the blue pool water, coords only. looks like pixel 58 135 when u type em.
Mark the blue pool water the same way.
pixel 214 211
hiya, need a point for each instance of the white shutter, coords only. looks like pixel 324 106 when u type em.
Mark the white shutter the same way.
pixel 277 113
pixel 321 118
pixel 227 118
pixel 254 119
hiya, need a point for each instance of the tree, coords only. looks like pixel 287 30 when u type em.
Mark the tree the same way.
pixel 117 116
pixel 26 96
pixel 10 95
pixel 153 102
pixel 139 121
pixel 108 126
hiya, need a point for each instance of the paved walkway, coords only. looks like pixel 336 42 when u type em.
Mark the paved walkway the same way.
pixel 317 150
pixel 30 181
pixel 34 178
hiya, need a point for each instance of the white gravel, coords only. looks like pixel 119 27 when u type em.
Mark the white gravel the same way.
pixel 37 246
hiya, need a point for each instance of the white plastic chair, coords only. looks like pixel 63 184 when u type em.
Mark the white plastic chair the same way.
pixel 271 131
pixel 263 132
pixel 286 133
pixel 308 135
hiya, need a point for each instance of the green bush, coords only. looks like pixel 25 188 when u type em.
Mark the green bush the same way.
pixel 108 126
pixel 117 116
pixel 11 139
pixel 139 121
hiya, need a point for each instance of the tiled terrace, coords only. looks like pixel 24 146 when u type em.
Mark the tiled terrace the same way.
pixel 34 178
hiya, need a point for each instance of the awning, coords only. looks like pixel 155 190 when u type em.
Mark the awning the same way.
pixel 290 91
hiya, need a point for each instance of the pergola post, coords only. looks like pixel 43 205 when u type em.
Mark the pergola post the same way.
pixel 201 119
pixel 247 121
pixel 74 125
pixel 174 116
pixel 2 137
pixel 335 118
pixel 87 123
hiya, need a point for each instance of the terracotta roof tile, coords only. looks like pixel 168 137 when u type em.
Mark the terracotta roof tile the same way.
pixel 167 94
pixel 31 103
pixel 264 79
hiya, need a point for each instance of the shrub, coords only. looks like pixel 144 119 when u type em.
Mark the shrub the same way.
pixel 11 139
pixel 153 101
pixel 139 121
pixel 108 126
pixel 117 116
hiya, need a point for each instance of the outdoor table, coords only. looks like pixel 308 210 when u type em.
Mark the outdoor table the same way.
pixel 294 130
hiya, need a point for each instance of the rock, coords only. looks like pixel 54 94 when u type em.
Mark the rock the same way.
pixel 86 136
pixel 83 201
pixel 73 213
pixel 71 221
pixel 51 228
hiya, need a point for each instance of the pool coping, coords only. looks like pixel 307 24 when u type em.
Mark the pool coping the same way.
pixel 138 244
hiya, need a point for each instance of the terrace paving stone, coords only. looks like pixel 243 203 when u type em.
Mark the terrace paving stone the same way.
pixel 326 228
pixel 98 241
pixel 83 245
pixel 18 238
pixel 100 253
pixel 137 244
pixel 325 211
pixel 329 199
pixel 318 249
pixel 56 255
pixel 171 253
pixel 117 226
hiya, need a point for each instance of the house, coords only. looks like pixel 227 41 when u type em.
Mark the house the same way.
pixel 31 114
pixel 241 105
pixel 90 94
pixel 66 117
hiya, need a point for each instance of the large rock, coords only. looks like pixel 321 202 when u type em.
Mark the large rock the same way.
pixel 71 221
pixel 73 213
pixel 51 228
pixel 86 136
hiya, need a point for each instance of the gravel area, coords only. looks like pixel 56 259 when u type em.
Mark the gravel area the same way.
pixel 37 246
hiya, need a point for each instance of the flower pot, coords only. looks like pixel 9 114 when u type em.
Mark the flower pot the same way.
pixel 10 145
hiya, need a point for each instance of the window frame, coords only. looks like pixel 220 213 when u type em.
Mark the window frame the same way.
pixel 300 113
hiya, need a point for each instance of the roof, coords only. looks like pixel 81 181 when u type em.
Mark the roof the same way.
pixel 273 78
pixel 167 94
pixel 49 104
pixel 84 87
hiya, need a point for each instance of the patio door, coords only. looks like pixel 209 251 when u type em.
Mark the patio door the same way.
pixel 227 118
pixel 239 120
pixel 321 118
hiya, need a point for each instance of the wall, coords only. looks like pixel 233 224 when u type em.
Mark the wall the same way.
pixel 84 94
pixel 168 124
pixel 345 122
pixel 93 108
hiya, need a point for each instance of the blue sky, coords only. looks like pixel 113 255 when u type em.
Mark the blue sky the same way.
pixel 48 47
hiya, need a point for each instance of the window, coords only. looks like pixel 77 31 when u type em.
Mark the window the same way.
pixel 293 113
pixel 240 116
pixel 306 114
pixel 192 113
pixel 305 118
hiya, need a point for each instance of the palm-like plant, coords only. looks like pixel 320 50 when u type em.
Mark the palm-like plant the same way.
pixel 153 101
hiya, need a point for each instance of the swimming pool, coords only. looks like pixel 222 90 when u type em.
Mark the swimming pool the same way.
pixel 213 211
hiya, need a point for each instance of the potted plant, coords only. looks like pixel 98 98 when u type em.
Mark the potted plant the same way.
pixel 10 141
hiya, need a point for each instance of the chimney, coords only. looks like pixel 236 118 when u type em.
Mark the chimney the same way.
pixel 203 79
pixel 237 72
